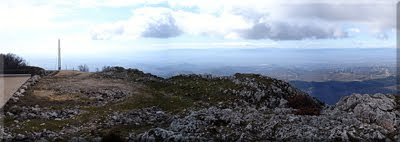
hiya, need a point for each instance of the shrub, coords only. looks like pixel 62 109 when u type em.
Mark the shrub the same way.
pixel 305 105
pixel 83 68
pixel 112 69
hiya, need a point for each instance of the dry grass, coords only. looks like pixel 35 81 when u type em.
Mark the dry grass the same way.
pixel 52 96
pixel 69 73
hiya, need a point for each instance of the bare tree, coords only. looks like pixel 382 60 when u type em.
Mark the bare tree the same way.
pixel 83 68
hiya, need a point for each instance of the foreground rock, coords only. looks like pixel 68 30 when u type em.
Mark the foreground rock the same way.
pixel 378 121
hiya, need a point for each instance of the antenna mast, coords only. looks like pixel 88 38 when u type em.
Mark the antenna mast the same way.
pixel 59 55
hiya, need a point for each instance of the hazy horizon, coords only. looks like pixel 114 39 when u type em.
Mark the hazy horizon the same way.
pixel 226 61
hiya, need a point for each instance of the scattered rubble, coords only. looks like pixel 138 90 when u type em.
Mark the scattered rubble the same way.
pixel 146 116
pixel 36 112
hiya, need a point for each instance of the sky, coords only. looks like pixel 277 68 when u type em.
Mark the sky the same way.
pixel 120 28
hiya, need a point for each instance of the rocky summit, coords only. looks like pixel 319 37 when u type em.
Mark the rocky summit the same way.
pixel 120 104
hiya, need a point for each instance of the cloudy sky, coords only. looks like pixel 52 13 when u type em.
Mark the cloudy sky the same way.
pixel 121 27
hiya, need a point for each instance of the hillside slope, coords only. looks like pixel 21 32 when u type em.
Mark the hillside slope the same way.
pixel 129 105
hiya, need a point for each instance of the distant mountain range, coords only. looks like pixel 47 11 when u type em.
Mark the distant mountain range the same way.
pixel 330 92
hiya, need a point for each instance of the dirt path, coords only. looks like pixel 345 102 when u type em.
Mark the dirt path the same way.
pixel 10 84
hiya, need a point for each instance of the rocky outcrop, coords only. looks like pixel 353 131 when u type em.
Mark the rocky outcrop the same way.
pixel 354 118
pixel 264 91
pixel 126 74
pixel 376 109
pixel 139 117
pixel 103 96
pixel 245 89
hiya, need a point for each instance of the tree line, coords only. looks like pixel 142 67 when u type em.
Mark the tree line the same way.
pixel 13 64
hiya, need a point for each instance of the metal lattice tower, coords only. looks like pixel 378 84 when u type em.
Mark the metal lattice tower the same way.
pixel 59 55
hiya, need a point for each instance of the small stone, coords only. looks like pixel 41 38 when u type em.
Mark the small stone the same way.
pixel 249 126
pixel 9 114
pixel 20 137
pixel 159 112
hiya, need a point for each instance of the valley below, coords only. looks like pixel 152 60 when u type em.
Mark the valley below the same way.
pixel 330 92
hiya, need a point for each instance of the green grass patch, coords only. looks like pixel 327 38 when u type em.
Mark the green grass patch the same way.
pixel 172 104
pixel 124 130
pixel 7 120
pixel 36 125
pixel 195 88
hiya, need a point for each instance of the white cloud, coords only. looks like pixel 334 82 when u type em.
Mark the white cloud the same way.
pixel 252 19
pixel 107 31
pixel 224 24
pixel 25 17
pixel 354 30
pixel 229 19
pixel 146 22
pixel 36 15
